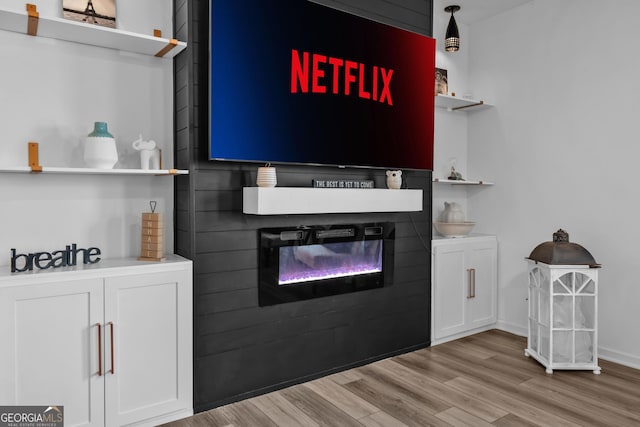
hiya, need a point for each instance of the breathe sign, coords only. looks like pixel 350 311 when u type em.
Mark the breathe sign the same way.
pixel 60 258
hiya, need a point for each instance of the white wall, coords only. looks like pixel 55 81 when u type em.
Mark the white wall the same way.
pixel 562 145
pixel 52 92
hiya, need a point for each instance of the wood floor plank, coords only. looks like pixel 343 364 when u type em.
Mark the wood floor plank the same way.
pixel 482 410
pixel 510 404
pixel 538 399
pixel 611 383
pixel 499 339
pixel 420 362
pixel 461 367
pixel 381 419
pixel 409 412
pixel 479 380
pixel 317 408
pixel 512 420
pixel 470 348
pixel 580 401
pixel 520 362
pixel 342 398
pixel 345 377
pixel 482 366
pixel 459 418
pixel 591 384
pixel 281 411
pixel 406 390
pixel 620 371
pixel 246 414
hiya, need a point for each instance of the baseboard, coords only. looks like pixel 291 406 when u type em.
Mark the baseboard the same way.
pixel 512 328
pixel 619 357
pixel 166 418
pixel 463 334
pixel 630 360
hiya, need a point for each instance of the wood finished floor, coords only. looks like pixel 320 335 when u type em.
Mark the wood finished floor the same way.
pixel 482 380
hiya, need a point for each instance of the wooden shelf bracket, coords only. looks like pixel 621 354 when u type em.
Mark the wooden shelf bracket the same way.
pixel 34 163
pixel 32 19
pixel 467 106
pixel 162 52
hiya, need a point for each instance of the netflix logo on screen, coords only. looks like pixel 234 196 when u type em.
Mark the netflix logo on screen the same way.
pixel 329 70
pixel 327 88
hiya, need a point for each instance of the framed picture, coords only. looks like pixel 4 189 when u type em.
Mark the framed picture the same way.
pixel 98 12
pixel 441 82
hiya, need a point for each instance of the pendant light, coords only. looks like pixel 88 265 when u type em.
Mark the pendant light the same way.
pixel 452 40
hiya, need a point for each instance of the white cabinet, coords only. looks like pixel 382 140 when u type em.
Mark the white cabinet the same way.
pixel 49 352
pixel 464 286
pixel 112 343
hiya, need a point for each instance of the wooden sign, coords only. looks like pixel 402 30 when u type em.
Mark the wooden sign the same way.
pixel 152 236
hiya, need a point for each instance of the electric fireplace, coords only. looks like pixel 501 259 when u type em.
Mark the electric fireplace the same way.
pixel 299 263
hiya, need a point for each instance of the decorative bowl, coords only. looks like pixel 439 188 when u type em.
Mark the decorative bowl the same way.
pixel 454 229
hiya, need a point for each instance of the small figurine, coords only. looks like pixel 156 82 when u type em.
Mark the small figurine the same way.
pixel 149 154
pixel 454 175
pixel 394 179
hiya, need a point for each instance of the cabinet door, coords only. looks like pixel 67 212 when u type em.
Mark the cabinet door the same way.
pixel 49 351
pixel 149 366
pixel 482 258
pixel 449 290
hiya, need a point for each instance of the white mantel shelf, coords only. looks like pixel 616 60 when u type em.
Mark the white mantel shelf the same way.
pixel 95 35
pixel 294 200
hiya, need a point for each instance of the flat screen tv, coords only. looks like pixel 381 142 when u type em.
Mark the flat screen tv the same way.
pixel 292 81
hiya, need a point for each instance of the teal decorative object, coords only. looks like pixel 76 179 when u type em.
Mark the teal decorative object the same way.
pixel 100 130
pixel 100 150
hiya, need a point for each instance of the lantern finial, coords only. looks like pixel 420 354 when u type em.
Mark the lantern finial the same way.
pixel 560 236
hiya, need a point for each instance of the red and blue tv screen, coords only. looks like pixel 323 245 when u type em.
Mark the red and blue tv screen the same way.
pixel 292 81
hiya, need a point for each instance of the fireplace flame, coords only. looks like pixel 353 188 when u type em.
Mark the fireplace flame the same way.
pixel 312 263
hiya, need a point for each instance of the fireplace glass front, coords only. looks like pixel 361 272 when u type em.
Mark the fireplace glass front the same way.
pixel 314 261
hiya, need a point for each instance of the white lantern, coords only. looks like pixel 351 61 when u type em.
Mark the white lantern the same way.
pixel 563 306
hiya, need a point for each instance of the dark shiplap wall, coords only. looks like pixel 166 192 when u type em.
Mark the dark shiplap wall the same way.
pixel 242 349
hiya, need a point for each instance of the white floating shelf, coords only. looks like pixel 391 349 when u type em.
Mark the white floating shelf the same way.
pixel 293 200
pixel 89 171
pixel 460 182
pixel 455 103
pixel 90 34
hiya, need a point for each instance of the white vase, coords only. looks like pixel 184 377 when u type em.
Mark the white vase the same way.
pixel 100 150
pixel 266 177
pixel 453 213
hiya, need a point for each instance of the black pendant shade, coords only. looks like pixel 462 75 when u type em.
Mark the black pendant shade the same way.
pixel 452 39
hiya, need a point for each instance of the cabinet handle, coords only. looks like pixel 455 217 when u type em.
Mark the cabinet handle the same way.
pixel 99 349
pixel 113 369
pixel 471 288
pixel 473 283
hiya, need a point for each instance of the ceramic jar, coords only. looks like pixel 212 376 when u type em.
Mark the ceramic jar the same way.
pixel 100 148
pixel 453 213
pixel 266 177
